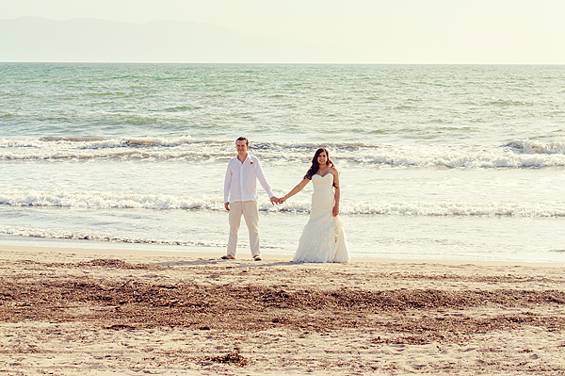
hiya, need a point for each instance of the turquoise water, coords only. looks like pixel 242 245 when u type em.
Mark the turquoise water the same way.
pixel 436 161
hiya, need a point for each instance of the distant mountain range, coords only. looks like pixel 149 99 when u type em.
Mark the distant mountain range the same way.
pixel 84 39
pixel 411 41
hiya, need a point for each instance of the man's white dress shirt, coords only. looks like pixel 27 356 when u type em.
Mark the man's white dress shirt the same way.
pixel 240 183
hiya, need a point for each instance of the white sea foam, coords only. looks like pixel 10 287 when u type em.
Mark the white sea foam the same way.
pixel 70 138
pixel 456 159
pixel 115 200
pixel 456 209
pixel 30 232
pixel 515 155
pixel 140 142
pixel 61 155
pixel 104 200
pixel 532 147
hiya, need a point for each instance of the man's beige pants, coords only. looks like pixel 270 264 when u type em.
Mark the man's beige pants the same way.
pixel 249 211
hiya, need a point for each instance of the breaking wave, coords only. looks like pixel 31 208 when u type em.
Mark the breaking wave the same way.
pixel 512 155
pixel 530 147
pixel 114 200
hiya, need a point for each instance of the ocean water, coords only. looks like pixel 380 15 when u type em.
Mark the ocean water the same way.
pixel 436 162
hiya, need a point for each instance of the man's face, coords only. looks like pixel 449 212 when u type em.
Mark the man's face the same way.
pixel 241 147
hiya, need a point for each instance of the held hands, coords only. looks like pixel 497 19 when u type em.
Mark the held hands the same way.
pixel 277 200
pixel 335 210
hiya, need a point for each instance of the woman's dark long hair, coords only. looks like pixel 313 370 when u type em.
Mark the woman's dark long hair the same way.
pixel 315 165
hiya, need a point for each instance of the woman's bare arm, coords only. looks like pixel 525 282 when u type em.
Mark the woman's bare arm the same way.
pixel 337 192
pixel 300 186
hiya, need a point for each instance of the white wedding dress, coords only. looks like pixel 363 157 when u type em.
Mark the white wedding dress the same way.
pixel 323 238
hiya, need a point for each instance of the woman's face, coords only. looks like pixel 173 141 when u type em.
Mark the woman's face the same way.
pixel 322 158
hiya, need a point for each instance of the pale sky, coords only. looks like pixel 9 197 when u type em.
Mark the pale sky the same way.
pixel 353 31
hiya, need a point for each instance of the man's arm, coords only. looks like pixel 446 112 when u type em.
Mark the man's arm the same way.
pixel 227 184
pixel 264 183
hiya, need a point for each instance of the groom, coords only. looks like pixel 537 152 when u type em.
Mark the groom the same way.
pixel 240 197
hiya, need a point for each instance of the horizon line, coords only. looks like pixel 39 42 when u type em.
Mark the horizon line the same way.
pixel 252 62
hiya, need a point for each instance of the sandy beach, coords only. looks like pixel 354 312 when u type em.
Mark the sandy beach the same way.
pixel 79 311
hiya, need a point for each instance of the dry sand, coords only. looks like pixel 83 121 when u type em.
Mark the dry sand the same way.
pixel 77 311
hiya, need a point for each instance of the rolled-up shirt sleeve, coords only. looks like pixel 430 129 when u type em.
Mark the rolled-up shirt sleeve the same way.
pixel 263 180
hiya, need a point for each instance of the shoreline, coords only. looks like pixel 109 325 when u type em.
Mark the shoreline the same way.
pixel 134 250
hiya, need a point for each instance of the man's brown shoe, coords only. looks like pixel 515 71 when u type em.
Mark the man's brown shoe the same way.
pixel 228 257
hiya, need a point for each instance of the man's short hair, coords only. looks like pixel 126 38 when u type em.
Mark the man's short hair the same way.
pixel 243 139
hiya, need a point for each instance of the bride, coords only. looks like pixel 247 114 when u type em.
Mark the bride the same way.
pixel 323 238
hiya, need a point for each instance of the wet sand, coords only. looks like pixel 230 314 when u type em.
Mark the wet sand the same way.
pixel 71 311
